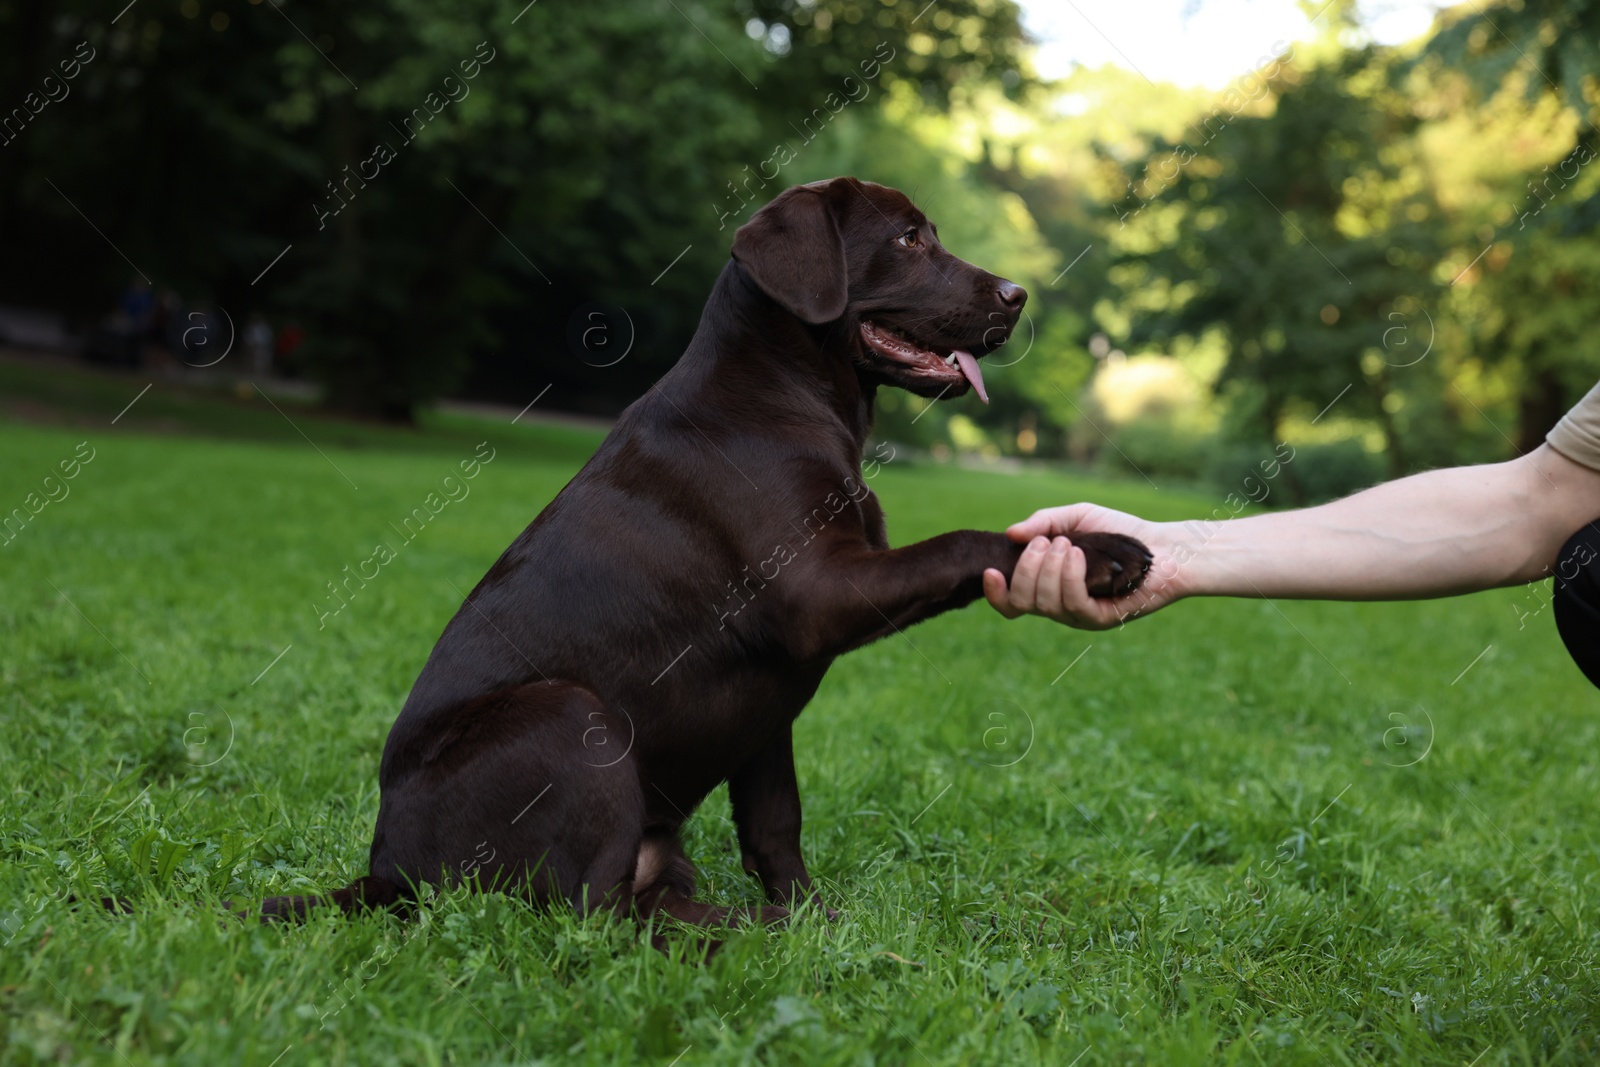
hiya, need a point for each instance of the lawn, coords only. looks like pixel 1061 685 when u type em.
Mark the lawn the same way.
pixel 1232 833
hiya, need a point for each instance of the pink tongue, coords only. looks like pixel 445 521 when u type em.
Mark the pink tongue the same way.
pixel 969 367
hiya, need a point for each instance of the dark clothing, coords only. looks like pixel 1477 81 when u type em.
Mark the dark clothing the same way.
pixel 1577 598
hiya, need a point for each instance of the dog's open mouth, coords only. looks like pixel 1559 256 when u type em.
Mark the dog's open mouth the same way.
pixel 947 364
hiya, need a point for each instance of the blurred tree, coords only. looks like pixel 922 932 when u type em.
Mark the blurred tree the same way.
pixel 1298 238
pixel 1294 232
pixel 939 46
pixel 1556 41
pixel 453 180
pixel 1544 301
pixel 1068 170
pixel 1541 284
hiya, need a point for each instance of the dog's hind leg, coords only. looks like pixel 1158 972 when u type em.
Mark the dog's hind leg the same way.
pixel 607 882
pixel 664 884
pixel 505 793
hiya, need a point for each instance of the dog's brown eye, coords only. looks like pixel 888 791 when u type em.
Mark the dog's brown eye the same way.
pixel 909 238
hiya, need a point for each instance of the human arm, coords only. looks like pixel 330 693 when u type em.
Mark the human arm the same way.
pixel 1438 533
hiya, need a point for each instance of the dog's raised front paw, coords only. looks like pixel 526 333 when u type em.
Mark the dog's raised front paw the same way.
pixel 1116 564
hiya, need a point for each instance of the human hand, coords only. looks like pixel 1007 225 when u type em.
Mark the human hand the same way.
pixel 1050 578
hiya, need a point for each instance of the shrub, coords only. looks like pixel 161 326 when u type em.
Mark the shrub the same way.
pixel 1155 447
pixel 1338 468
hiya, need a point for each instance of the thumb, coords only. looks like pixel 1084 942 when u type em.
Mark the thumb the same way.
pixel 1038 524
pixel 994 591
pixel 1048 522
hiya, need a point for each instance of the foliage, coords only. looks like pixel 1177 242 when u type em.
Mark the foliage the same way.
pixel 1339 468
pixel 1556 41
pixel 435 167
pixel 1394 241
pixel 1292 231
pixel 1155 447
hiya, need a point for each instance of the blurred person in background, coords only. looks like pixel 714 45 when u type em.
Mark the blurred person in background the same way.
pixel 165 324
pixel 258 345
pixel 120 339
pixel 290 338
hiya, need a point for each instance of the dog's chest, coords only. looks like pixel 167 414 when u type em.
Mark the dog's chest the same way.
pixel 873 522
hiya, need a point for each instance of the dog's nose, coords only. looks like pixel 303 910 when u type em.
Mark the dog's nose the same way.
pixel 1012 295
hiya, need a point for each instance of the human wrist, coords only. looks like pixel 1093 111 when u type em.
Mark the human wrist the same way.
pixel 1194 559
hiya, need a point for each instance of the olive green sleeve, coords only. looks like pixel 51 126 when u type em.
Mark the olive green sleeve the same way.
pixel 1577 435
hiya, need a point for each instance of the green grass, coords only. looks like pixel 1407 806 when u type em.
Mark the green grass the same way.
pixel 1199 844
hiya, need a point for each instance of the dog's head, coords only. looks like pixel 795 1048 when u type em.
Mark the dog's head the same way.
pixel 862 256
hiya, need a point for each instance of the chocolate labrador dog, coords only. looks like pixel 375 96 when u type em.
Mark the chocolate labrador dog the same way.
pixel 657 629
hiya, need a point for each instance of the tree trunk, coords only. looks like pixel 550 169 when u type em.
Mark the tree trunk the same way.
pixel 1393 449
pixel 1541 406
pixel 1271 415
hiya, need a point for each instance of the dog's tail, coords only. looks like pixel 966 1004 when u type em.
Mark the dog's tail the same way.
pixel 364 894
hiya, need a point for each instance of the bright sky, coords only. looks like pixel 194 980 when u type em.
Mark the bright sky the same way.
pixel 1192 42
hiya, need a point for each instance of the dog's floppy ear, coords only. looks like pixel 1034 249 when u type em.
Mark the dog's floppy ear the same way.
pixel 793 250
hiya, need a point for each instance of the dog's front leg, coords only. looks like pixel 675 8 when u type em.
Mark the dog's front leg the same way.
pixel 766 810
pixel 864 595
pixel 858 595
